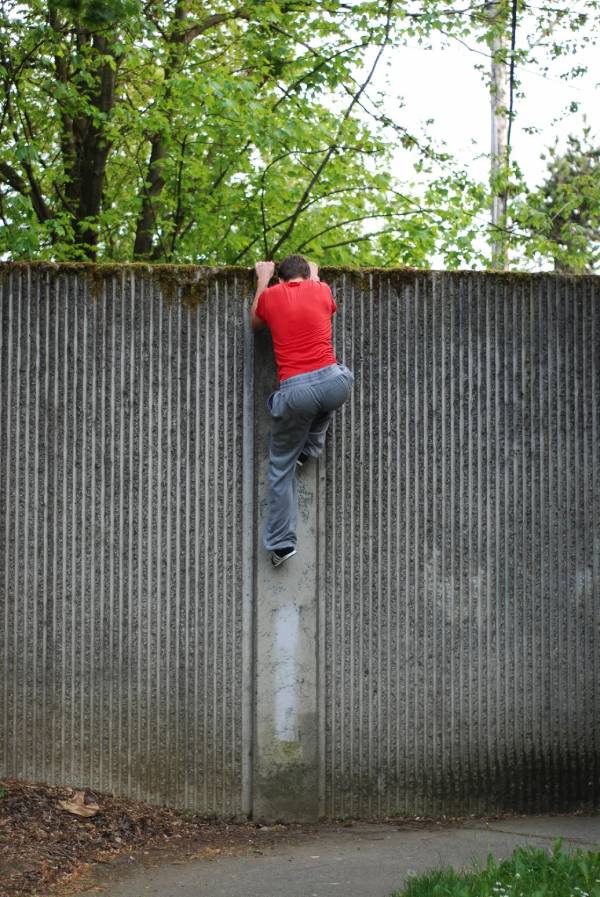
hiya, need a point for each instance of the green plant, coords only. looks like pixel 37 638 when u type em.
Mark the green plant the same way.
pixel 530 872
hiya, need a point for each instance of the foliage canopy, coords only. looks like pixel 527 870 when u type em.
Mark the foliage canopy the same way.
pixel 163 130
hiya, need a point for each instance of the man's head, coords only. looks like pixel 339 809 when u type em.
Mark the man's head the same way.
pixel 294 267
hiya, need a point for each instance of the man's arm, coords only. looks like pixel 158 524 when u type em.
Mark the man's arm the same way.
pixel 314 275
pixel 264 273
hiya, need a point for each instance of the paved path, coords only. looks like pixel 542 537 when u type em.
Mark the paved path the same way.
pixel 365 860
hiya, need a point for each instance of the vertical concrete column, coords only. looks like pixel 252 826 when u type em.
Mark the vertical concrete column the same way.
pixel 285 746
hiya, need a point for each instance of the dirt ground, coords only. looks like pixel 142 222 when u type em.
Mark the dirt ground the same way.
pixel 45 848
pixel 49 851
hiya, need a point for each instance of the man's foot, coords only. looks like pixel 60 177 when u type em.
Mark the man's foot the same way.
pixel 281 554
pixel 302 459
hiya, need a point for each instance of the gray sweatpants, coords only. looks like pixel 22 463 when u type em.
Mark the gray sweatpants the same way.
pixel 301 410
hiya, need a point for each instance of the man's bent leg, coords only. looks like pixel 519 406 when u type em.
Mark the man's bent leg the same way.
pixel 316 437
pixel 301 412
pixel 331 394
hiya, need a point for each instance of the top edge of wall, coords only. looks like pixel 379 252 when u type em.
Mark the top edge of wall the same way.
pixel 108 268
pixel 328 271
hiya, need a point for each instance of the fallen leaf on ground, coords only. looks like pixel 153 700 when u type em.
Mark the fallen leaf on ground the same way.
pixel 77 805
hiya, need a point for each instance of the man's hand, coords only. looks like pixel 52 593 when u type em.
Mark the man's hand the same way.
pixel 264 271
pixel 314 271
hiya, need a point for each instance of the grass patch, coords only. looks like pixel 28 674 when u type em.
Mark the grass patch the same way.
pixel 530 872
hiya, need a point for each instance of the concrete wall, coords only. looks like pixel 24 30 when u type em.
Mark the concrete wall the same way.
pixel 434 647
pixel 125 577
pixel 460 583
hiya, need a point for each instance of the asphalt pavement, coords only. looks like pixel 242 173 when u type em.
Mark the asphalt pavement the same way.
pixel 364 860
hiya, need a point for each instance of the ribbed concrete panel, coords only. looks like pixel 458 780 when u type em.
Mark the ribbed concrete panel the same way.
pixel 459 649
pixel 124 483
pixel 450 544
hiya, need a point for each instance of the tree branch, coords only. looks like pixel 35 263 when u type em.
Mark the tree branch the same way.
pixel 323 61
pixel 511 82
pixel 356 97
pixel 351 221
pixel 211 22
pixel 178 216
pixel 361 239
pixel 12 177
pixel 311 202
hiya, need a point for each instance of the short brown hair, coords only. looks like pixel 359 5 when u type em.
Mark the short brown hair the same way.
pixel 292 267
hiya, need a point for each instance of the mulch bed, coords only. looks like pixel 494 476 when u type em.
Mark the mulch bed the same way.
pixel 43 846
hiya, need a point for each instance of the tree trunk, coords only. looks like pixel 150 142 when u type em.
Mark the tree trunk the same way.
pixel 93 156
pixel 499 135
pixel 146 226
pixel 147 220
pixel 84 146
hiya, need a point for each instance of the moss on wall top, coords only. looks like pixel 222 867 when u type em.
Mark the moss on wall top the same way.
pixel 190 284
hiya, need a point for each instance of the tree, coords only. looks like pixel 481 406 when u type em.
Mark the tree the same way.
pixel 163 131
pixel 549 31
pixel 169 131
pixel 499 149
pixel 562 217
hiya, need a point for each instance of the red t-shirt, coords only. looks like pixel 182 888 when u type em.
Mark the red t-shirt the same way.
pixel 298 314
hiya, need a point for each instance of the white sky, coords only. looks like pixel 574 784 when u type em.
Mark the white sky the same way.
pixel 442 84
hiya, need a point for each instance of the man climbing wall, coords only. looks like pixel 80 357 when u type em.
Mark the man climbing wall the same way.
pixel 298 311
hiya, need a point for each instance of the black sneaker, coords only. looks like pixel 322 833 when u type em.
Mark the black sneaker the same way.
pixel 302 459
pixel 281 554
